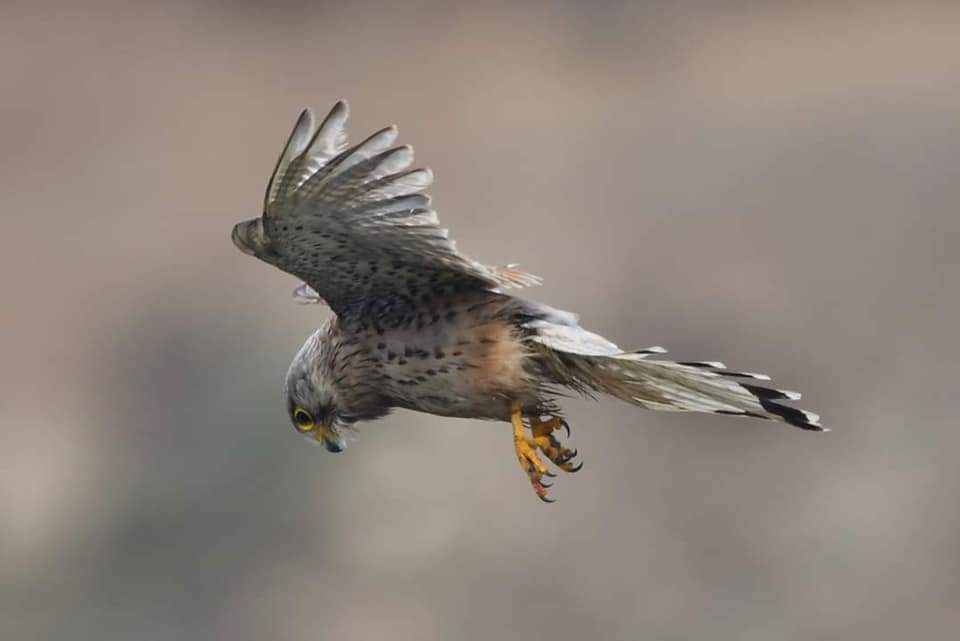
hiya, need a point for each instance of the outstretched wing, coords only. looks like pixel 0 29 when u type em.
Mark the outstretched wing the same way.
pixel 354 225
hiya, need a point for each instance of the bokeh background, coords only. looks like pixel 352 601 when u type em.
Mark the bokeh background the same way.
pixel 773 184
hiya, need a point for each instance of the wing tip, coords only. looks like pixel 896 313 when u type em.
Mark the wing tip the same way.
pixel 305 114
pixel 340 106
pixel 302 131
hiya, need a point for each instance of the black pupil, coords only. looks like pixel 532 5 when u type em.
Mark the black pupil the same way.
pixel 302 418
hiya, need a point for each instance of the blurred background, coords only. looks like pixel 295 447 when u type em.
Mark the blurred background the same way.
pixel 771 184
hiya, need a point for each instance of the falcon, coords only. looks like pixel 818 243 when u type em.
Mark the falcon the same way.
pixel 418 325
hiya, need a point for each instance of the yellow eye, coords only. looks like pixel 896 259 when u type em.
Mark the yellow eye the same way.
pixel 303 420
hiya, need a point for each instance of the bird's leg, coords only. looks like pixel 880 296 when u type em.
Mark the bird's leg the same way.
pixel 542 439
pixel 527 454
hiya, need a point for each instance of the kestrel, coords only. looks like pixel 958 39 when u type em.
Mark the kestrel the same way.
pixel 419 325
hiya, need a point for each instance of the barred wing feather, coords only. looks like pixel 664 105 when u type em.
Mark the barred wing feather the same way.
pixel 353 223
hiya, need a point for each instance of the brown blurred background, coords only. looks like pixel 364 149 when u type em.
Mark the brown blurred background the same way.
pixel 772 184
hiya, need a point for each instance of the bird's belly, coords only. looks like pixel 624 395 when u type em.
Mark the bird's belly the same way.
pixel 456 366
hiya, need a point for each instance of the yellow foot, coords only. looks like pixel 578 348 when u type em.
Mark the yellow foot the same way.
pixel 550 446
pixel 542 440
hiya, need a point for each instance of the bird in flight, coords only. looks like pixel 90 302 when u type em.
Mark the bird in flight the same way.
pixel 420 326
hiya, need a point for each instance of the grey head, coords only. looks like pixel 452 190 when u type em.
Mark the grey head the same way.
pixel 325 394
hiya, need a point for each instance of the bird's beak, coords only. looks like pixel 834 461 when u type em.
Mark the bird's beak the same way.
pixel 325 435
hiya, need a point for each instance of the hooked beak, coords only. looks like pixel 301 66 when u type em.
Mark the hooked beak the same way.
pixel 330 440
pixel 325 435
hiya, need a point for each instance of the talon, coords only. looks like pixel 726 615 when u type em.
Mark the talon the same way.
pixel 540 441
pixel 578 467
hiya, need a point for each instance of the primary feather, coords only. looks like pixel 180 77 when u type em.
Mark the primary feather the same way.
pixel 354 226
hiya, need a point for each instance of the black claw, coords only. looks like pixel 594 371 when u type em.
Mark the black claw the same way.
pixel 550 474
pixel 546 499
pixel 577 468
pixel 566 426
pixel 546 485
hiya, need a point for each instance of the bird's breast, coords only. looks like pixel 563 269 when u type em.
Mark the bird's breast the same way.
pixel 458 360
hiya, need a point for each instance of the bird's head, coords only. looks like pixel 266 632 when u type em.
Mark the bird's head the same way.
pixel 314 404
pixel 327 393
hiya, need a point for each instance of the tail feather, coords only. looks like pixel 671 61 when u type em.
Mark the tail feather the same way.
pixel 684 386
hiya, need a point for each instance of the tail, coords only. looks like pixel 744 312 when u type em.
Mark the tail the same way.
pixel 589 363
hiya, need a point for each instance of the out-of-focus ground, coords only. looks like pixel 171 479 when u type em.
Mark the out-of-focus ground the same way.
pixel 773 184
